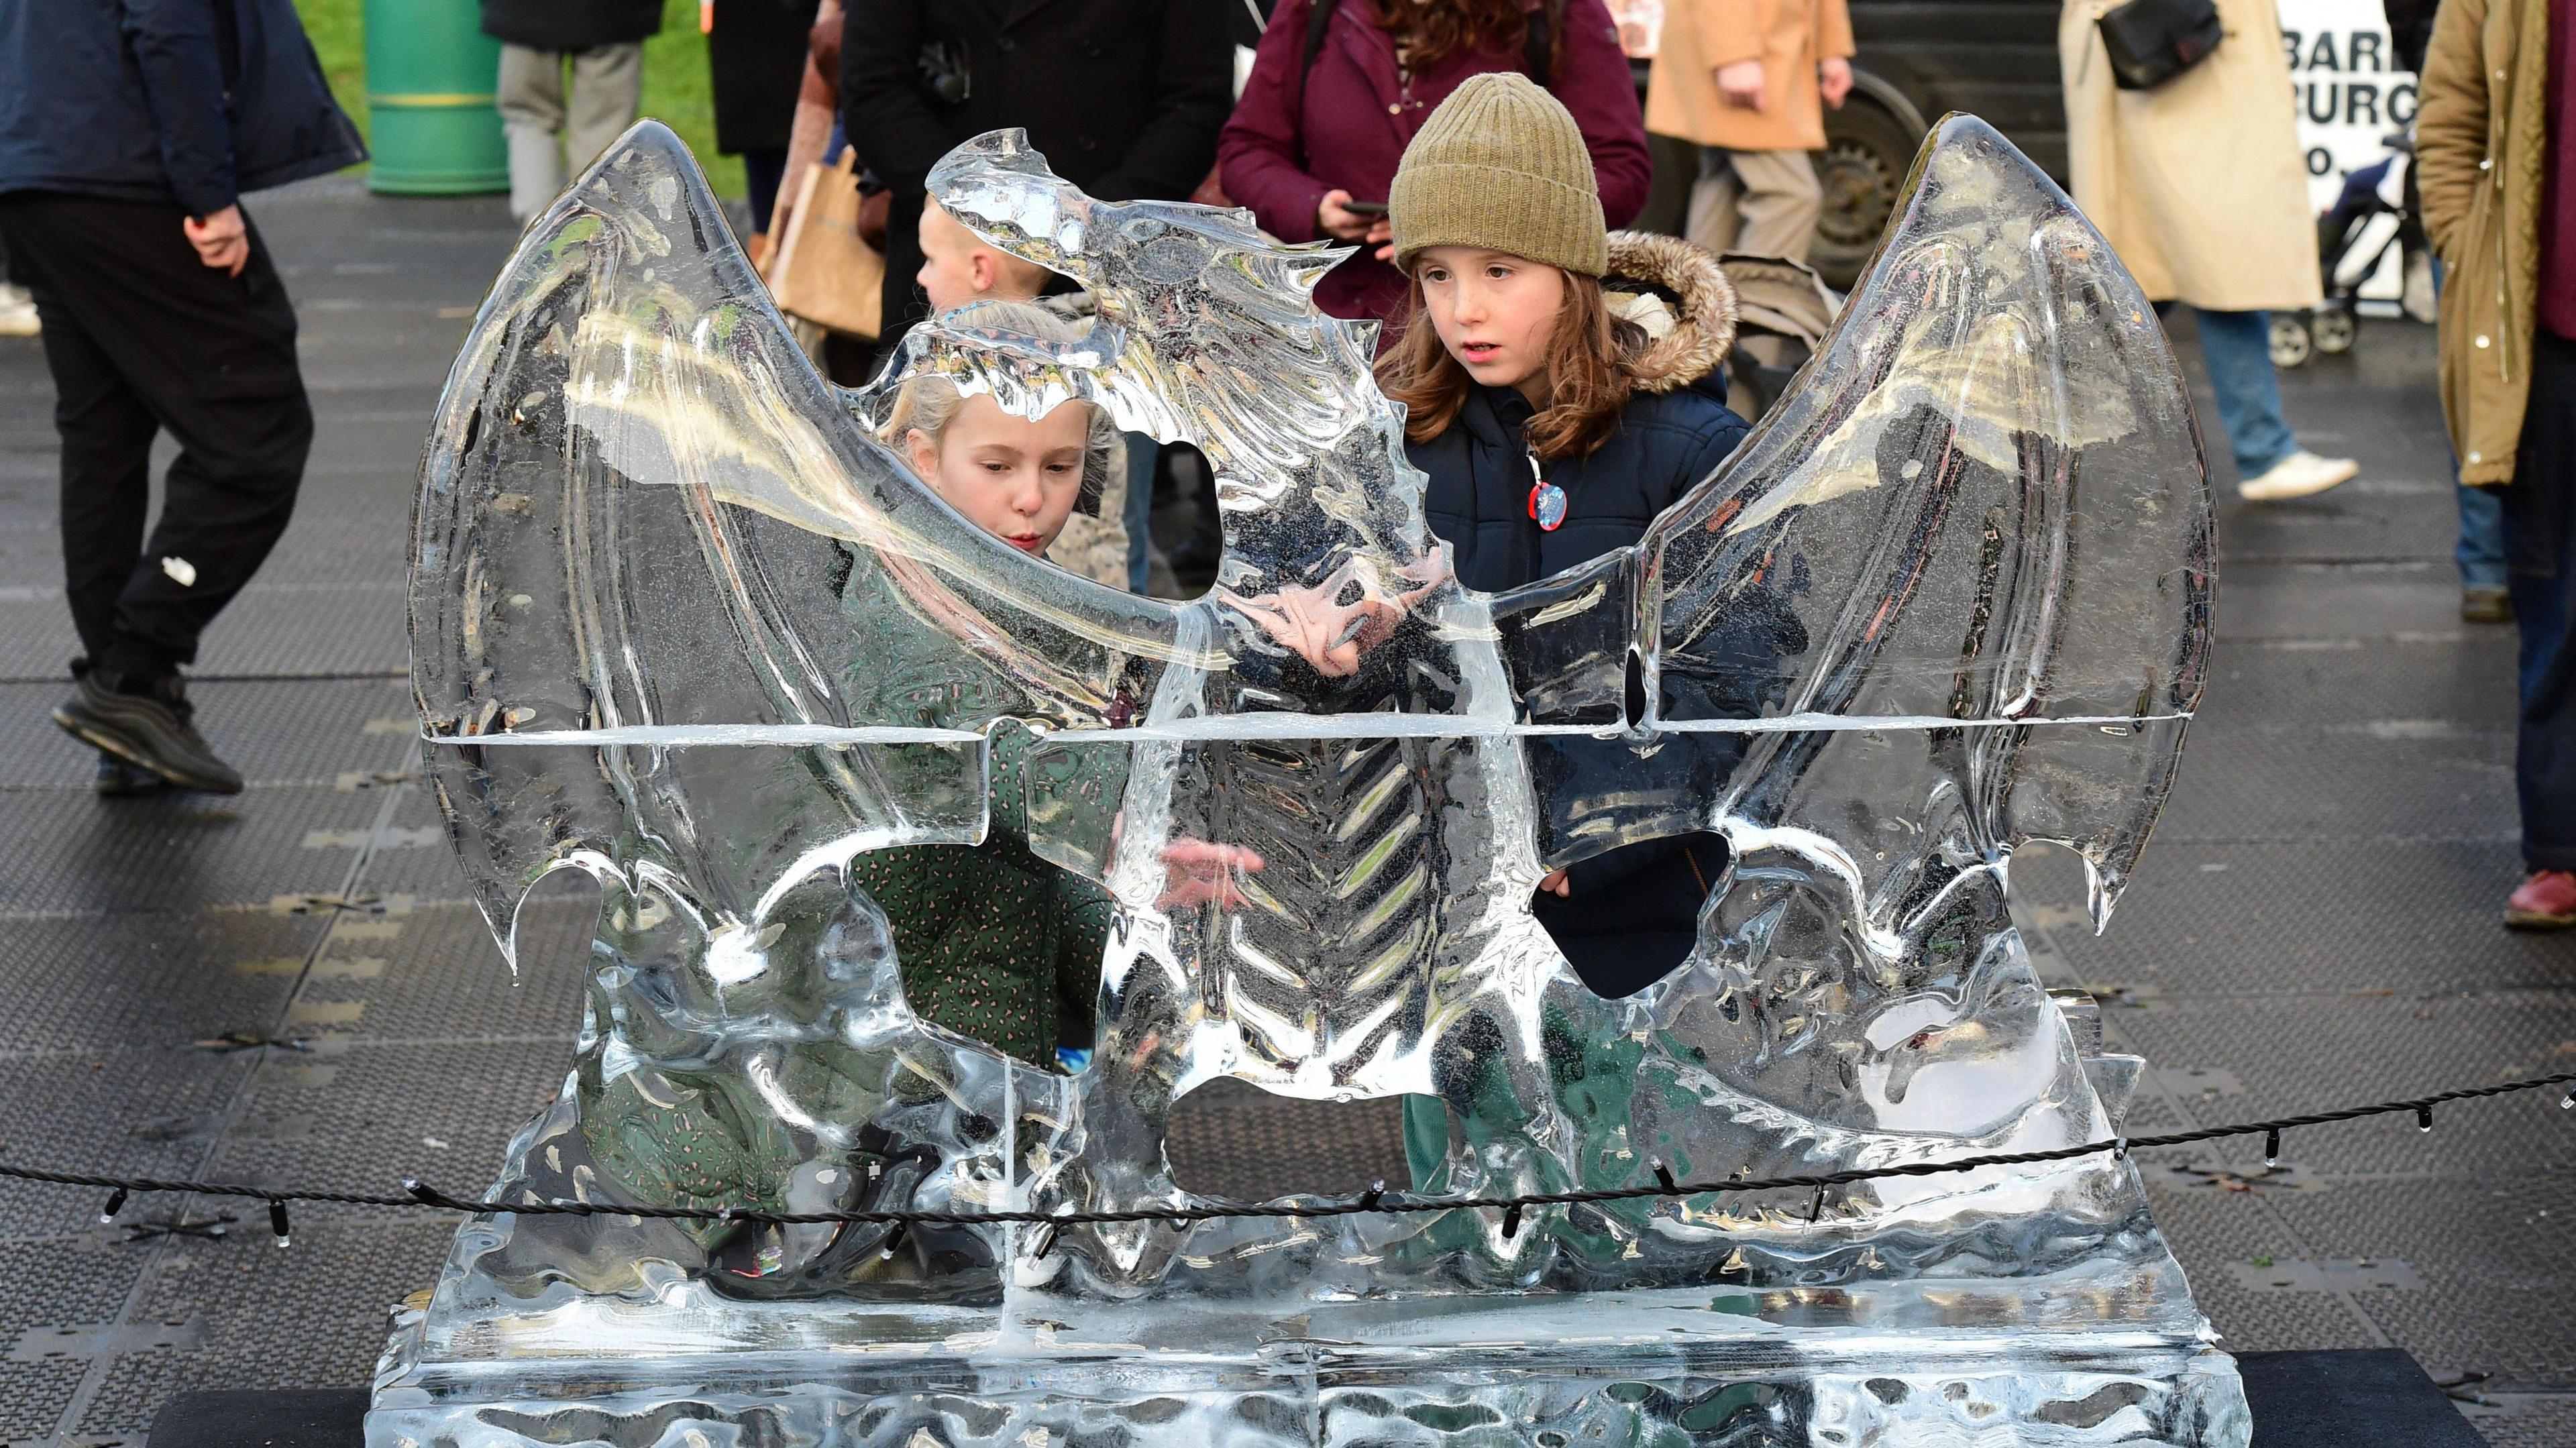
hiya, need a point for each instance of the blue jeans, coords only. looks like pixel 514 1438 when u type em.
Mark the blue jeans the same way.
pixel 2540 550
pixel 2480 551
pixel 2237 348
pixel 1142 453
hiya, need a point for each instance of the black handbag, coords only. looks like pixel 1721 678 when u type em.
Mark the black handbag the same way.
pixel 2152 41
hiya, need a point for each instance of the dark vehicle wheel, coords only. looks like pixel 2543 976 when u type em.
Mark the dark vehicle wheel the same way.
pixel 2292 346
pixel 1867 153
pixel 2336 328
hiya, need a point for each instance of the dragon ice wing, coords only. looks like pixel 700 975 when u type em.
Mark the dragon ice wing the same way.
pixel 1952 594
pixel 645 522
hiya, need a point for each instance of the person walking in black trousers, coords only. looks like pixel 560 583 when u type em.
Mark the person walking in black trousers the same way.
pixel 128 131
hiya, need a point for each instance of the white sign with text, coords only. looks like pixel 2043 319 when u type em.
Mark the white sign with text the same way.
pixel 2350 95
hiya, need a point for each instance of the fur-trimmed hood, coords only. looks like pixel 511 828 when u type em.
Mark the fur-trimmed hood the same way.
pixel 1680 296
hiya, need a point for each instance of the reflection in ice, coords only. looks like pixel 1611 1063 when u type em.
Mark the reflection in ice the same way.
pixel 681 623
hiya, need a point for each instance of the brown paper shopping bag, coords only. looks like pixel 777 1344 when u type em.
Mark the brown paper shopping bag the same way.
pixel 825 270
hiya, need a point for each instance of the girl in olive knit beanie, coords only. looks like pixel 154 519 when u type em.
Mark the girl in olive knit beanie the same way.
pixel 1494 208
pixel 1561 392
pixel 1497 222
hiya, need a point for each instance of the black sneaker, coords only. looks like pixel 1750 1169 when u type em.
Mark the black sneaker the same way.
pixel 150 731
pixel 117 779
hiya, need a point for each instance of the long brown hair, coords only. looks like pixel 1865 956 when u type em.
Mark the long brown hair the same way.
pixel 1587 376
pixel 1430 31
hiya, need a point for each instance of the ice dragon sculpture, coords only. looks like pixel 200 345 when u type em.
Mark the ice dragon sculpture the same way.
pixel 680 622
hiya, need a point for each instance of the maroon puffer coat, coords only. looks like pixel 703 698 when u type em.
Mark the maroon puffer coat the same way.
pixel 1344 126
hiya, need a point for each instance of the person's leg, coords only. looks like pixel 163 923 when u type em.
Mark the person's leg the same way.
pixel 17 307
pixel 2237 347
pixel 1206 546
pixel 106 434
pixel 530 96
pixel 902 300
pixel 763 172
pixel 1781 202
pixel 2480 553
pixel 1143 453
pixel 244 430
pixel 1713 221
pixel 2480 548
pixel 607 91
pixel 213 359
pixel 107 437
pixel 2539 512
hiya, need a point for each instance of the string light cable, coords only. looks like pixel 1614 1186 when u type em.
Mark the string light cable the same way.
pixel 417 1194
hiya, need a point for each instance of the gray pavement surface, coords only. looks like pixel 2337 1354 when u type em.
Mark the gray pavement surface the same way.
pixel 2316 924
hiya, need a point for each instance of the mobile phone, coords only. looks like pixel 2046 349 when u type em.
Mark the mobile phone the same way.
pixel 1365 208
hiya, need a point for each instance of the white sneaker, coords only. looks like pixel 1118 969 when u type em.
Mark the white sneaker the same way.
pixel 2297 476
pixel 17 313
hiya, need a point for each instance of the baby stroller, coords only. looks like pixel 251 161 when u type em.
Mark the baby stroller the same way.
pixel 2373 218
pixel 1782 310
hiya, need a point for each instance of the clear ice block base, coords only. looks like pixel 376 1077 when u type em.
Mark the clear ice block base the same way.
pixel 1720 1368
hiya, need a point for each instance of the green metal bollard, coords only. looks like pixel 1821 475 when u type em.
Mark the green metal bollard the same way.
pixel 431 73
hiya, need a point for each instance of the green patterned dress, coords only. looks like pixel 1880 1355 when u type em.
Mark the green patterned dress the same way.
pixel 995 942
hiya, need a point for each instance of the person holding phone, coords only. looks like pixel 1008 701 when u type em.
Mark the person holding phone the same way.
pixel 1339 87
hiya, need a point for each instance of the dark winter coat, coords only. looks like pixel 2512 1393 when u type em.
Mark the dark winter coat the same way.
pixel 155 100
pixel 1634 911
pixel 1674 432
pixel 2410 31
pixel 1123 97
pixel 756 54
pixel 1344 125
pixel 571 24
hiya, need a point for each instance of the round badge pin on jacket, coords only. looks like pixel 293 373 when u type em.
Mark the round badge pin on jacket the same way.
pixel 1546 499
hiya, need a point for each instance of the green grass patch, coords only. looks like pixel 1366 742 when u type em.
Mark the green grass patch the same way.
pixel 680 93
pixel 677 89
pixel 340 38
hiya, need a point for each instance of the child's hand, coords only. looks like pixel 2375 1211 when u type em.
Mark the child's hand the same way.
pixel 1200 873
pixel 1329 635
pixel 1557 883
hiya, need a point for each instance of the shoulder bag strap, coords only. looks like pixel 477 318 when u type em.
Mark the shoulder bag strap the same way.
pixel 1538 40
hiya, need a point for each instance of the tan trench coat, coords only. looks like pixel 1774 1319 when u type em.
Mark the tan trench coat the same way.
pixel 1789 37
pixel 2199 184
pixel 2480 144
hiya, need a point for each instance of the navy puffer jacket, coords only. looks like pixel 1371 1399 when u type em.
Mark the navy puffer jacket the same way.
pixel 1633 914
pixel 192 101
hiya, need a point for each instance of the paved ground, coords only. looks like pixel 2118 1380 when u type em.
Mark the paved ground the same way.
pixel 2314 926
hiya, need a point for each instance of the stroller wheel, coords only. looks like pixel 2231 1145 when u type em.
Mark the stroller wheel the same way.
pixel 2291 344
pixel 2335 329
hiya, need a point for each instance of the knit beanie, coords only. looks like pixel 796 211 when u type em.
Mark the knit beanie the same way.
pixel 1501 165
